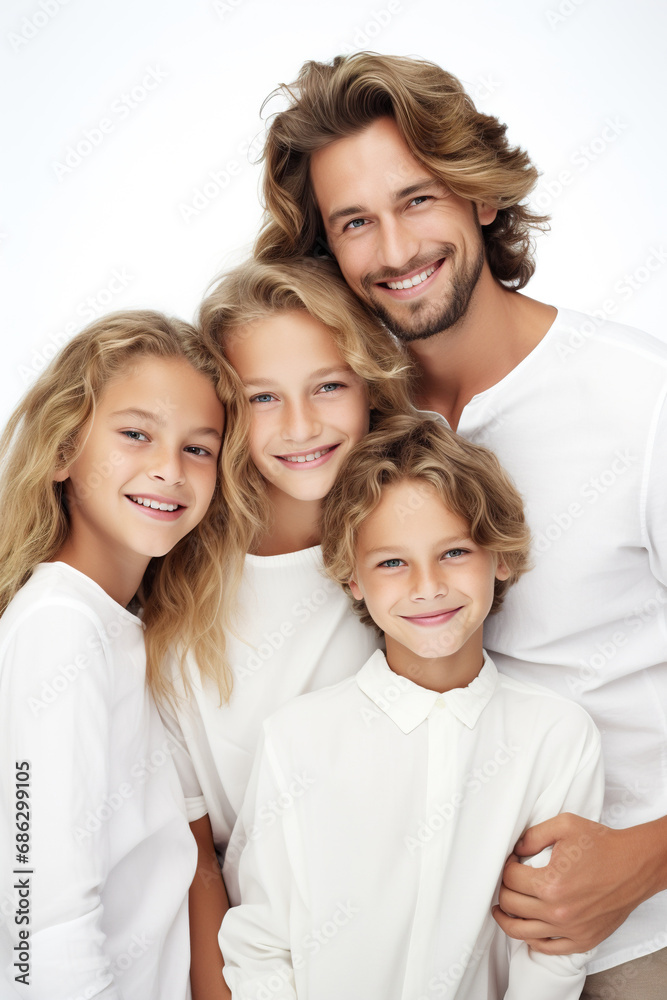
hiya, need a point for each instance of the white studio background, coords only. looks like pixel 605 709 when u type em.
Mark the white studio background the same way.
pixel 131 130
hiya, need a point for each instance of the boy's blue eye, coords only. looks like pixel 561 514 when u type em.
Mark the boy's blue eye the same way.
pixel 331 386
pixel 391 563
pixel 455 552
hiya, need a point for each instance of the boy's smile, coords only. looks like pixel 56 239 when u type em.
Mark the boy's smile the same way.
pixel 426 584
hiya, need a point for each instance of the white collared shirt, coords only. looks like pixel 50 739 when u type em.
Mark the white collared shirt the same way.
pixel 111 856
pixel 581 426
pixel 378 818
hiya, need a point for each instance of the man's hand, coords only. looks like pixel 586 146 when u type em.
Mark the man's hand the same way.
pixel 595 878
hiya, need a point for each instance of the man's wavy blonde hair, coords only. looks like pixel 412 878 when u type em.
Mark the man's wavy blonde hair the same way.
pixel 182 594
pixel 256 290
pixel 467 150
pixel 467 477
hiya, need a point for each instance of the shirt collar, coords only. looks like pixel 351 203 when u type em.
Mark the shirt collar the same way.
pixel 408 705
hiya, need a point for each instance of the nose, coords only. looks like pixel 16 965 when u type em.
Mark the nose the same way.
pixel 397 244
pixel 167 465
pixel 428 583
pixel 301 422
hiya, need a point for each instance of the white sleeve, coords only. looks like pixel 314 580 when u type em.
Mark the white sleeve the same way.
pixel 577 788
pixel 254 937
pixel 654 515
pixel 56 698
pixel 195 803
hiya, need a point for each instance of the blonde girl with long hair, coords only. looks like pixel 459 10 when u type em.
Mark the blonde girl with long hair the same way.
pixel 314 373
pixel 111 507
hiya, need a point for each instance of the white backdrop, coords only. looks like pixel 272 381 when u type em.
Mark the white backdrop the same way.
pixel 131 129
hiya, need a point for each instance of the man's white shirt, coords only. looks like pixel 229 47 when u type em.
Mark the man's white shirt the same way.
pixel 378 818
pixel 581 426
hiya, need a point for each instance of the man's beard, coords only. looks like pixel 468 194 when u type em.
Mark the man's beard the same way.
pixel 462 285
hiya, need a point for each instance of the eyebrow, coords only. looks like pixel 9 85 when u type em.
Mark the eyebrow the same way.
pixel 353 210
pixel 319 373
pixel 155 418
pixel 396 550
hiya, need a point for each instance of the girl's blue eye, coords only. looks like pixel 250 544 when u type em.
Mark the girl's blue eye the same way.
pixel 331 386
pixel 261 397
pixel 453 553
pixel 391 563
pixel 135 435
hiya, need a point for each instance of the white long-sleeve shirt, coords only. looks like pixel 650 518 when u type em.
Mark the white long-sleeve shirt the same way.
pixel 378 820
pixel 111 856
pixel 581 426
pixel 295 631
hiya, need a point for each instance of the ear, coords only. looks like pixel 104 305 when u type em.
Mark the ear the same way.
pixel 60 475
pixel 356 593
pixel 502 572
pixel 485 213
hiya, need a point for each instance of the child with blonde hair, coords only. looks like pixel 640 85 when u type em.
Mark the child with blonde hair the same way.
pixel 421 771
pixel 313 372
pixel 112 509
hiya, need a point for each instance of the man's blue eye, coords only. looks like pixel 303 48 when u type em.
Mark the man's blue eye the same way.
pixel 353 223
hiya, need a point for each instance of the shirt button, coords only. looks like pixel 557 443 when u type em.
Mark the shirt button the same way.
pixel 440 702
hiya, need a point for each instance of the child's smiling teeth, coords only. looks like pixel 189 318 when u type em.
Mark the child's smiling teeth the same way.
pixel 415 280
pixel 306 458
pixel 154 504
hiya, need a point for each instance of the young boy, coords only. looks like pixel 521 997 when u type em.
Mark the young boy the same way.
pixel 381 810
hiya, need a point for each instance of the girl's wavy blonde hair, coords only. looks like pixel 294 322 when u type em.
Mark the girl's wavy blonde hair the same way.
pixel 466 150
pixel 256 290
pixel 182 594
pixel 467 477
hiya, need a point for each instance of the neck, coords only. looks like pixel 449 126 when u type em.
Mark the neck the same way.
pixel 295 525
pixel 115 573
pixel 498 330
pixel 438 673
